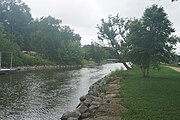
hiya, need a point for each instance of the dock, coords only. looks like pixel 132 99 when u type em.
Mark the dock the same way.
pixel 7 71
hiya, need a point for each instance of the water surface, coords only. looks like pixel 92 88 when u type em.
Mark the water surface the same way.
pixel 46 94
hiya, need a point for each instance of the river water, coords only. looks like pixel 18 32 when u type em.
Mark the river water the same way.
pixel 46 94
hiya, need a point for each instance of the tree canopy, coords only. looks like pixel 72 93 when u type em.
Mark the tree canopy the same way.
pixel 150 39
pixel 114 32
pixel 47 36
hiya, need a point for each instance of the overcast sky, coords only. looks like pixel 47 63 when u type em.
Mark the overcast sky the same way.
pixel 84 15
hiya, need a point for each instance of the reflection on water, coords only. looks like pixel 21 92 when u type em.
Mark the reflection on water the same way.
pixel 47 94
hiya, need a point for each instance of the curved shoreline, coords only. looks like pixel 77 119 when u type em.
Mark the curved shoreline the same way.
pixel 42 67
pixel 88 103
pixel 102 102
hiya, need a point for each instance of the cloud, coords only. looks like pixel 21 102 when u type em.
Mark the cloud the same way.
pixel 84 15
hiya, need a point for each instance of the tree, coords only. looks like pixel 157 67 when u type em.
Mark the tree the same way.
pixel 114 31
pixel 96 52
pixel 150 39
pixel 70 53
pixel 45 38
pixel 7 47
pixel 16 16
pixel 51 39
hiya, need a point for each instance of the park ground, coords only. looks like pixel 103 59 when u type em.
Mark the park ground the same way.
pixel 133 97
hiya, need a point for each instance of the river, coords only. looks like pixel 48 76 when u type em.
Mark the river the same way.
pixel 46 94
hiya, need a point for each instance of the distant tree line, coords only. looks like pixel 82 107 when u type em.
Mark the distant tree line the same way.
pixel 98 53
pixel 53 42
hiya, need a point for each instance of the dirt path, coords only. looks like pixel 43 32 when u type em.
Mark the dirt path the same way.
pixel 174 68
pixel 111 107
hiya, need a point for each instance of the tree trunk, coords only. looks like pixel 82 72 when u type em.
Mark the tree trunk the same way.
pixel 126 66
pixel 122 61
pixel 143 71
pixel 147 71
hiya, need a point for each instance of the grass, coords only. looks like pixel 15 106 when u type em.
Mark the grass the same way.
pixel 103 89
pixel 153 98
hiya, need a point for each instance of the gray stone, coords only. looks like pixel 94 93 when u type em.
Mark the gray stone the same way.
pixel 85 115
pixel 88 101
pixel 71 118
pixel 82 108
pixel 83 98
pixel 93 93
pixel 95 103
pixel 92 108
pixel 74 114
pixel 94 98
pixel 65 116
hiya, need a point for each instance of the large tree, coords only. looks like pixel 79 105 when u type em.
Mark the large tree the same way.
pixel 150 39
pixel 114 32
pixel 7 47
pixel 16 16
pixel 96 52
pixel 51 39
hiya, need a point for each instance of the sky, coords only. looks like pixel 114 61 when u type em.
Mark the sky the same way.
pixel 84 15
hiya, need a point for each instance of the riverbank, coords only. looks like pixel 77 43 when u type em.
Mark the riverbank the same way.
pixel 42 67
pixel 29 68
pixel 102 102
pixel 156 97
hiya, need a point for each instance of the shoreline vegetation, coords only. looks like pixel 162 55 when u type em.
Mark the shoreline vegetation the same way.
pixel 88 64
pixel 100 103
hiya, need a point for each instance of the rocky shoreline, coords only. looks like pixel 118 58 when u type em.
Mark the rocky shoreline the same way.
pixel 102 102
pixel 88 103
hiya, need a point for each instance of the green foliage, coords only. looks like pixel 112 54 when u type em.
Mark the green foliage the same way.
pixel 96 52
pixel 34 60
pixel 7 47
pixel 87 62
pixel 46 36
pixel 15 15
pixel 70 53
pixel 114 31
pixel 103 89
pixel 150 39
pixel 55 42
pixel 153 98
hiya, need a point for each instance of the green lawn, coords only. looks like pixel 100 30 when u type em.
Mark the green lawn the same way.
pixel 154 98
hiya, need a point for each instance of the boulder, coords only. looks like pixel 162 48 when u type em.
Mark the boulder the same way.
pixel 88 101
pixel 74 114
pixel 95 103
pixel 82 108
pixel 71 118
pixel 83 98
pixel 85 115
pixel 65 116
pixel 94 98
pixel 93 93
